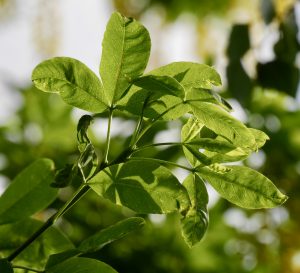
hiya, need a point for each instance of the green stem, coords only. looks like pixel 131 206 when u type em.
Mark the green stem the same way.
pixel 27 268
pixel 157 144
pixel 108 136
pixel 153 122
pixel 164 162
pixel 76 196
pixel 139 124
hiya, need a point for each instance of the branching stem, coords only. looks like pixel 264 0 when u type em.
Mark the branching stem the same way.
pixel 153 122
pixel 157 144
pixel 27 268
pixel 76 196
pixel 163 162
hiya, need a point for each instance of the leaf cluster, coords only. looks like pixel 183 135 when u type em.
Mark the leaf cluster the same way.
pixel 210 137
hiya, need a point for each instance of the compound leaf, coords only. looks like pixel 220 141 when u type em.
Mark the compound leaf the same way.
pixel 243 186
pixel 125 53
pixel 143 186
pixel 29 192
pixel 73 80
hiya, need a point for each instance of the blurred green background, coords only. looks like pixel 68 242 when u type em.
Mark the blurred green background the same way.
pixel 255 47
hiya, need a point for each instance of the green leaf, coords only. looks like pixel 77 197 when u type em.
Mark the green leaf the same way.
pixel 205 95
pixel 65 176
pixel 74 81
pixel 88 160
pixel 82 127
pixel 81 265
pixel 194 223
pixel 6 266
pixel 213 145
pixel 190 131
pixel 190 74
pixel 143 186
pixel 223 124
pixel 57 258
pixel 29 192
pixel 125 53
pixel 50 242
pixel 199 156
pixel 260 137
pixel 243 186
pixel 213 150
pixel 166 107
pixel 160 85
pixel 110 234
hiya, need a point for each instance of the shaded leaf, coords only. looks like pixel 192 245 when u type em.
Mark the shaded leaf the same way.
pixel 81 265
pixel 82 127
pixel 65 176
pixel 243 186
pixel 29 192
pixel 6 266
pixel 88 160
pixel 240 85
pixel 110 234
pixel 160 85
pixel 57 258
pixel 143 186
pixel 74 81
pixel 125 53
pixel 239 42
pixel 195 222
pixel 287 78
pixel 206 95
pixel 134 102
pixel 50 242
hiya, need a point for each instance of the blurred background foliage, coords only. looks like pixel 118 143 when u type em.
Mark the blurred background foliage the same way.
pixel 255 47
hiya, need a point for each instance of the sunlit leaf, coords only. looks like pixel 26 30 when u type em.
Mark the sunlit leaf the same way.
pixel 243 186
pixel 190 74
pixel 143 186
pixel 223 124
pixel 74 81
pixel 260 137
pixel 125 53
pixel 194 223
pixel 29 192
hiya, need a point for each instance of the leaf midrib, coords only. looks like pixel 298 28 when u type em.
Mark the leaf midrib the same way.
pixel 121 61
pixel 73 84
pixel 247 187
